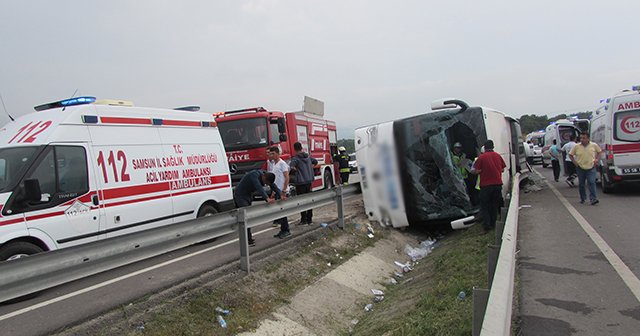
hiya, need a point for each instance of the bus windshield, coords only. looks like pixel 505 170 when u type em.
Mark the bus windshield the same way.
pixel 13 162
pixel 626 126
pixel 243 133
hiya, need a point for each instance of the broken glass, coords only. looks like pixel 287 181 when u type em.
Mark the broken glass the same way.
pixel 433 187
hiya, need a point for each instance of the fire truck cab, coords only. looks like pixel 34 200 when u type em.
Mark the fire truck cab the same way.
pixel 248 133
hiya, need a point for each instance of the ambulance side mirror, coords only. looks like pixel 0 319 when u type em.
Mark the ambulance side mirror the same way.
pixel 32 192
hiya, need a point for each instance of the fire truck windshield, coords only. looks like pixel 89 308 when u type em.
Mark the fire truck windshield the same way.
pixel 13 162
pixel 243 133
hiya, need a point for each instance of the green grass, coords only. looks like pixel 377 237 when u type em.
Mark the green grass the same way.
pixel 425 302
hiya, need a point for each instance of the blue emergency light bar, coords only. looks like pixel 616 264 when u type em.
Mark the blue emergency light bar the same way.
pixel 65 103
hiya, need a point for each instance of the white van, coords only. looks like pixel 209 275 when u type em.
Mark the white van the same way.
pixel 406 170
pixel 561 131
pixel 615 127
pixel 534 142
pixel 77 171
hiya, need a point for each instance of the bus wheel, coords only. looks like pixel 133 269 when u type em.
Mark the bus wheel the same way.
pixel 328 181
pixel 207 210
pixel 16 250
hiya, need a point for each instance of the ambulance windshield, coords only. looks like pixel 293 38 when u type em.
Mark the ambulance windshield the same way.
pixel 13 162
pixel 243 133
pixel 627 126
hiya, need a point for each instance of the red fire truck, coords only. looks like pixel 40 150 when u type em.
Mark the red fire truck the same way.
pixel 247 133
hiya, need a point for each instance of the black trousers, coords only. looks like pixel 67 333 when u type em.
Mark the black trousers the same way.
pixel 344 177
pixel 555 164
pixel 490 201
pixel 305 216
pixel 571 170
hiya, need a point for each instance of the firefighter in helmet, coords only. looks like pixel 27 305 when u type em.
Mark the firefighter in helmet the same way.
pixel 343 163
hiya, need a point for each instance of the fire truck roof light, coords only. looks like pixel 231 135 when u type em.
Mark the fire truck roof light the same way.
pixel 251 109
pixel 66 102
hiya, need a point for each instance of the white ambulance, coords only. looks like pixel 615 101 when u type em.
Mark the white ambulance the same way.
pixel 615 127
pixel 80 170
pixel 406 167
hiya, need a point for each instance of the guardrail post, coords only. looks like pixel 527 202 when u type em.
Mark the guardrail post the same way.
pixel 244 240
pixel 492 261
pixel 340 204
pixel 480 300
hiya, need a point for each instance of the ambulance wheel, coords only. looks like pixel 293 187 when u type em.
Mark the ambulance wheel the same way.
pixel 607 188
pixel 18 250
pixel 207 210
pixel 328 181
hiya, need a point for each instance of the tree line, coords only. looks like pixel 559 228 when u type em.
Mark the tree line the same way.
pixel 531 122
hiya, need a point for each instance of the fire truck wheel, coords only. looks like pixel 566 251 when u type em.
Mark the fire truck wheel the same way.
pixel 17 250
pixel 328 181
pixel 207 210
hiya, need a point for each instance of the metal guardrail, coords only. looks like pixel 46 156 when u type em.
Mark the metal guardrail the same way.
pixel 493 308
pixel 42 271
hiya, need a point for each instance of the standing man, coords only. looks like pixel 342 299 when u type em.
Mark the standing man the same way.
pixel 280 169
pixel 302 166
pixel 254 181
pixel 585 157
pixel 555 160
pixel 570 167
pixel 343 164
pixel 490 166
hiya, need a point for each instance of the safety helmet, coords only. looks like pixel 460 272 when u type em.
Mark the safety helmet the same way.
pixel 457 145
pixel 342 149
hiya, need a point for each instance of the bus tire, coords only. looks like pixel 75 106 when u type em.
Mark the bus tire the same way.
pixel 19 249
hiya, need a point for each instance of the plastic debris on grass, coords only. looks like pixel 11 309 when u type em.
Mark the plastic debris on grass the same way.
pixel 423 250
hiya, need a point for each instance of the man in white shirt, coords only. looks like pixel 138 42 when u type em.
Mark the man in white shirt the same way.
pixel 280 169
pixel 570 167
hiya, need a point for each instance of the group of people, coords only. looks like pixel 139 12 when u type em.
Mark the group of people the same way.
pixel 581 160
pixel 278 178
pixel 582 157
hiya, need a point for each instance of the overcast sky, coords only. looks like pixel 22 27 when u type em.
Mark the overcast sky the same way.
pixel 369 61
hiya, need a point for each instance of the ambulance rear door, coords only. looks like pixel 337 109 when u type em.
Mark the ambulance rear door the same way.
pixel 626 134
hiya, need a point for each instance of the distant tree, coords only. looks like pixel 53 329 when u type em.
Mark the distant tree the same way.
pixel 531 122
pixel 349 144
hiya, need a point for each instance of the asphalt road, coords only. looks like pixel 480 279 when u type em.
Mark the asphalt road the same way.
pixel 57 308
pixel 579 264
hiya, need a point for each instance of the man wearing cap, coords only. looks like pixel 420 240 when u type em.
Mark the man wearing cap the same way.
pixel 490 166
pixel 343 164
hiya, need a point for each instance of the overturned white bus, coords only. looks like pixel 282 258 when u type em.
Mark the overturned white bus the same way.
pixel 406 166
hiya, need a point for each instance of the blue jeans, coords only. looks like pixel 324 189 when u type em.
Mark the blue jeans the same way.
pixel 587 176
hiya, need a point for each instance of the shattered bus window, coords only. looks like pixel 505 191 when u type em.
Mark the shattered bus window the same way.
pixel 433 187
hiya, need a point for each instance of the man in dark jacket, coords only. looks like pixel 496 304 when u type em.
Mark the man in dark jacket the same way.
pixel 302 166
pixel 343 164
pixel 254 181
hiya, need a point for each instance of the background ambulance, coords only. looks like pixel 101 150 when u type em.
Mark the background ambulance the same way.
pixel 77 171
pixel 615 127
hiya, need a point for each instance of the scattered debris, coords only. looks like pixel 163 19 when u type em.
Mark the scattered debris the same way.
pixel 222 322
pixel 378 298
pixel 462 295
pixel 524 206
pixel 368 307
pixel 393 281
pixel 370 228
pixel 140 327
pixel 399 275
pixel 421 251
pixel 324 225
pixel 370 235
pixel 329 264
pixel 354 321
pixel 377 292
pixel 406 268
pixel 223 311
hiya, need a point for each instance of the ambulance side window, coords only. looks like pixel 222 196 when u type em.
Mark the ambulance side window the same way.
pixel 62 175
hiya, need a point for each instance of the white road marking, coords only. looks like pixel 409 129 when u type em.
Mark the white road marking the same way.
pixel 120 278
pixel 632 282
